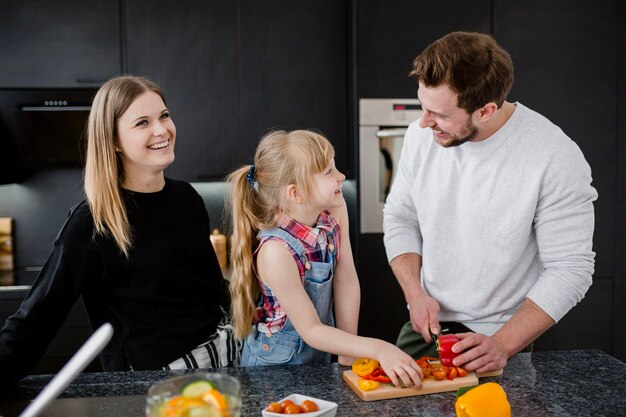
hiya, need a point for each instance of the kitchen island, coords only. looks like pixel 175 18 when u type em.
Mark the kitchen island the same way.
pixel 565 383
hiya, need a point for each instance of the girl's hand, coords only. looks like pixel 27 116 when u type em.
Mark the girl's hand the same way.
pixel 400 367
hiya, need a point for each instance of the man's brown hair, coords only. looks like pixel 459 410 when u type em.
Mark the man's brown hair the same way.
pixel 472 64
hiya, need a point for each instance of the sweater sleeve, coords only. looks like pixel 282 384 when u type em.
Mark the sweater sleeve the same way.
pixel 27 333
pixel 400 220
pixel 564 223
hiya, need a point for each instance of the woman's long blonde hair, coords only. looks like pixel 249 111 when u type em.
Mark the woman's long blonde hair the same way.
pixel 104 170
pixel 258 193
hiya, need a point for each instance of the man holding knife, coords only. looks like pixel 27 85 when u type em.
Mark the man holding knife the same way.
pixel 489 223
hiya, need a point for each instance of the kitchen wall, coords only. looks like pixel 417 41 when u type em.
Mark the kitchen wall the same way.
pixel 570 65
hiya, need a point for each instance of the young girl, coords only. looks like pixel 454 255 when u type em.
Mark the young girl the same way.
pixel 292 262
pixel 137 250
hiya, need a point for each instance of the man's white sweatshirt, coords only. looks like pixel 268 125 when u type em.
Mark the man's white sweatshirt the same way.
pixel 495 221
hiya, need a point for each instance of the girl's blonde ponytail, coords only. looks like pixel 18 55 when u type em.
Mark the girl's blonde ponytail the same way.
pixel 244 287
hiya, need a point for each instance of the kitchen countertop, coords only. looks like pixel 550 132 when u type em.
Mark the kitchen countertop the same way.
pixel 563 383
pixel 18 280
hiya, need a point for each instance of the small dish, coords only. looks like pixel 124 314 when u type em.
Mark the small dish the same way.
pixel 326 408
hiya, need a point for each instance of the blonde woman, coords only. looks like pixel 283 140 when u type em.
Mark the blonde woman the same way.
pixel 292 261
pixel 137 250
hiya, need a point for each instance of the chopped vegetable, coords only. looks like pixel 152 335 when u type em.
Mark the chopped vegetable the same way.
pixel 198 399
pixel 215 398
pixel 378 375
pixel 367 384
pixel 364 366
pixel 439 373
pixel 485 400
pixel 197 388
pixel 431 368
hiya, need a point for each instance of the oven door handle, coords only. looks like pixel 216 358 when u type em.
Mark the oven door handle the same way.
pixel 389 133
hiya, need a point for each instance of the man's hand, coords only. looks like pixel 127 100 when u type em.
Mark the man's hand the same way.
pixel 481 353
pixel 424 312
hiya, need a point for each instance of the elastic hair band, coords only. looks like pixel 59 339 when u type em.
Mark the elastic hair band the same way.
pixel 251 177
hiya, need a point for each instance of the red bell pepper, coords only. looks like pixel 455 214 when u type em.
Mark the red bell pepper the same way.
pixel 378 375
pixel 445 343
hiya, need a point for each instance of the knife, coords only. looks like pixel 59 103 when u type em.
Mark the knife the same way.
pixel 436 338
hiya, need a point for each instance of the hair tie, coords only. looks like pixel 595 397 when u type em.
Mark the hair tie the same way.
pixel 251 177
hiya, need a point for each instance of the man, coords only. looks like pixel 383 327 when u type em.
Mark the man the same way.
pixel 489 223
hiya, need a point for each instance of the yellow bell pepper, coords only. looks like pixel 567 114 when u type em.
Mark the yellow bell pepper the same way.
pixel 364 366
pixel 367 384
pixel 486 400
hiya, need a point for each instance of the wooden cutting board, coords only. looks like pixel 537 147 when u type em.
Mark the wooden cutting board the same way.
pixel 429 386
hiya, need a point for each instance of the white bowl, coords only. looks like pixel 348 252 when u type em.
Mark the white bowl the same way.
pixel 326 408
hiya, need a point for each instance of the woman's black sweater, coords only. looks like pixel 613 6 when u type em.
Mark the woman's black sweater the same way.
pixel 163 301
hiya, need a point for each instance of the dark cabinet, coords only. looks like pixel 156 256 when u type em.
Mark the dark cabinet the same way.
pixel 392 33
pixel 565 55
pixel 294 71
pixel 620 205
pixel 190 49
pixel 70 43
pixel 233 70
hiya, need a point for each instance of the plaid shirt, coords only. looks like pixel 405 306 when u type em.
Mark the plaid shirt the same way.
pixel 315 241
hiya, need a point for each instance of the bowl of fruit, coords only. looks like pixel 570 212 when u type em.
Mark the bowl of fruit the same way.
pixel 300 404
pixel 195 395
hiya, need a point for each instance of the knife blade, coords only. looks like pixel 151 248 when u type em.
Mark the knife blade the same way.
pixel 436 338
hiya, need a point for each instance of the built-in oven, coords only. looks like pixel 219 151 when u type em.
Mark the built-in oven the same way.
pixel 45 126
pixel 382 125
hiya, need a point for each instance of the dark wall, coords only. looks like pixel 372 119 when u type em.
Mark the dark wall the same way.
pixel 559 76
pixel 619 290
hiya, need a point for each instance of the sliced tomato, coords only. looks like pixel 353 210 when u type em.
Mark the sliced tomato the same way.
pixel 461 371
pixel 439 374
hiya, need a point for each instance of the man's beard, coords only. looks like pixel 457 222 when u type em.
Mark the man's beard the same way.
pixel 469 132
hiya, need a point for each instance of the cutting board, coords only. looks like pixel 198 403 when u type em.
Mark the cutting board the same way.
pixel 429 386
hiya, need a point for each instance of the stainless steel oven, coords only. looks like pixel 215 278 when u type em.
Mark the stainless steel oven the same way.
pixel 382 125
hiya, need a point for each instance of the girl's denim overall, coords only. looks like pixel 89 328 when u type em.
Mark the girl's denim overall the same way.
pixel 286 347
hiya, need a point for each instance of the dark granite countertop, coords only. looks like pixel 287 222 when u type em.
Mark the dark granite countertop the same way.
pixel 565 383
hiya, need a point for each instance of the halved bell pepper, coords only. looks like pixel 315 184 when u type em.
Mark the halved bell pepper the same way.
pixel 444 346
